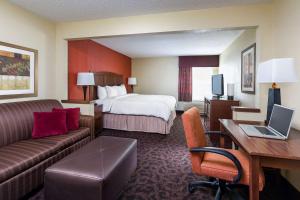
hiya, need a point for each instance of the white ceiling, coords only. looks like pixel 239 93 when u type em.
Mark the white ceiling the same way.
pixel 74 10
pixel 172 44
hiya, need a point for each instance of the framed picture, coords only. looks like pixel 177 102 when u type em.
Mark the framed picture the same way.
pixel 248 66
pixel 18 71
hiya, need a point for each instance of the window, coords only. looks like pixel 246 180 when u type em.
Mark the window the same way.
pixel 201 80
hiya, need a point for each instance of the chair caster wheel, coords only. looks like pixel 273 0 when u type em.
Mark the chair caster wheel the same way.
pixel 191 189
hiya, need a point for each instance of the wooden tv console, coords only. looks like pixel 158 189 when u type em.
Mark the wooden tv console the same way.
pixel 217 108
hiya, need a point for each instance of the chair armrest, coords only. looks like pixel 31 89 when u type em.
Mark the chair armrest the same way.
pixel 215 132
pixel 225 153
pixel 89 122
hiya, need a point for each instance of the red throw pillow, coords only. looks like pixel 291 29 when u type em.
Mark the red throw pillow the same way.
pixel 73 115
pixel 49 123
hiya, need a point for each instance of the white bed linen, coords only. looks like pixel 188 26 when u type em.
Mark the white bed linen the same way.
pixel 136 104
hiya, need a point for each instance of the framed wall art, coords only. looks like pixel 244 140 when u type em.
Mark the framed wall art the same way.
pixel 18 71
pixel 248 65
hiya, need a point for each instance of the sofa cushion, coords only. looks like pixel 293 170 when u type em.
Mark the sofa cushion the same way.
pixel 22 155
pixel 49 124
pixel 66 140
pixel 73 116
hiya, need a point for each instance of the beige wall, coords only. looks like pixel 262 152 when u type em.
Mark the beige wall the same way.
pixel 159 75
pixel 229 17
pixel 230 66
pixel 25 29
pixel 156 75
pixel 287 44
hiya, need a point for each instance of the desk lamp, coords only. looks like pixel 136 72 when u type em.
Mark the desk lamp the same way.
pixel 278 70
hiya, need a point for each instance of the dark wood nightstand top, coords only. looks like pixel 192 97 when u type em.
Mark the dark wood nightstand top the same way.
pixel 75 101
pixel 245 109
pixel 98 119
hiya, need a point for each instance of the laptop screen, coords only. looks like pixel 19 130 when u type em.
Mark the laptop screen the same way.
pixel 281 119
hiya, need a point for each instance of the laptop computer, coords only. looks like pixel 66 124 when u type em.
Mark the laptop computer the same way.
pixel 279 125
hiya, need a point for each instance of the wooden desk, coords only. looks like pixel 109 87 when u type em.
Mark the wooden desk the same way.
pixel 263 152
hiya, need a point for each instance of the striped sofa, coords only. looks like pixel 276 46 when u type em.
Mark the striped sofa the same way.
pixel 23 160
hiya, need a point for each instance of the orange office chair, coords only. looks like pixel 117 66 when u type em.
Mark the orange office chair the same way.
pixel 229 167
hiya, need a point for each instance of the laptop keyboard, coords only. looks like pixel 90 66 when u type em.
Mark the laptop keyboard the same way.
pixel 264 130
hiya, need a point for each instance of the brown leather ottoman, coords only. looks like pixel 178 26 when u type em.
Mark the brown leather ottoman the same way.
pixel 97 171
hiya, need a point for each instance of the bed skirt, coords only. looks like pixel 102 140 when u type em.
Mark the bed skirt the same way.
pixel 138 123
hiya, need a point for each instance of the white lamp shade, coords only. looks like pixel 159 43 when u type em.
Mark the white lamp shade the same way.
pixel 132 81
pixel 85 78
pixel 279 70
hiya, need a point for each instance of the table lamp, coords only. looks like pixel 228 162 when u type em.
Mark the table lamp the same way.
pixel 132 81
pixel 85 79
pixel 278 70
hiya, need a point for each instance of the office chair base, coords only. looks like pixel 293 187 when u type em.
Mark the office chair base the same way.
pixel 200 184
pixel 221 186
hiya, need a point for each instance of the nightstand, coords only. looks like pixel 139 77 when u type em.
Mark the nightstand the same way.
pixel 87 108
pixel 98 119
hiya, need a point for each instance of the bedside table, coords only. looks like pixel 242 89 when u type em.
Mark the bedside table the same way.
pixel 98 119
pixel 87 108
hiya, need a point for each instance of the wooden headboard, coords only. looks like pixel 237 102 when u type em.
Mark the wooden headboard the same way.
pixel 104 79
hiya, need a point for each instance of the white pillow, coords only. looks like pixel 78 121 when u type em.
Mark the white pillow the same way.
pixel 102 93
pixel 122 90
pixel 111 91
pixel 117 89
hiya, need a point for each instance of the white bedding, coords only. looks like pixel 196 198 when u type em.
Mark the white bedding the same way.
pixel 136 104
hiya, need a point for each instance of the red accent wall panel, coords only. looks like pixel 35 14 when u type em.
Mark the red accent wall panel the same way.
pixel 87 55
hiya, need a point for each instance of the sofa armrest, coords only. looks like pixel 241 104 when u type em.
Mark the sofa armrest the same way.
pixel 89 122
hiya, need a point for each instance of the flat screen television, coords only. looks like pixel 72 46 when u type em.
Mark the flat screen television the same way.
pixel 217 85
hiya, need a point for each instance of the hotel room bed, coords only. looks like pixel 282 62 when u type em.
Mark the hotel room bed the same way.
pixel 134 112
